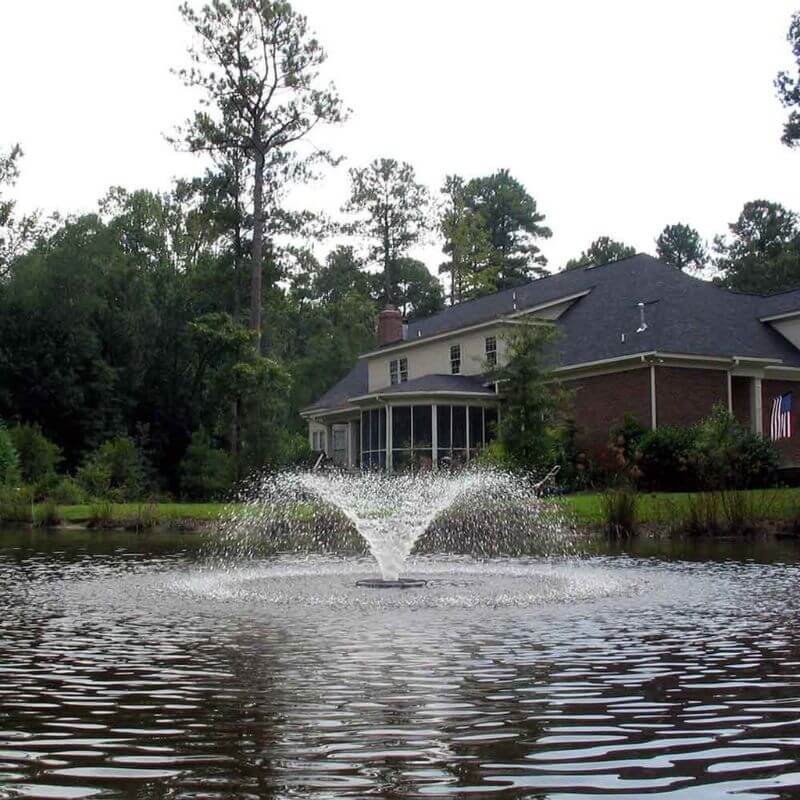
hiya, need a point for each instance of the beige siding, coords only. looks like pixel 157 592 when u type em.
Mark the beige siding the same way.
pixel 433 358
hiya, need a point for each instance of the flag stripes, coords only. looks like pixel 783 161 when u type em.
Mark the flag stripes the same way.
pixel 780 418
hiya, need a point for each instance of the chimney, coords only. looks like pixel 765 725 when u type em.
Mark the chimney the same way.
pixel 390 326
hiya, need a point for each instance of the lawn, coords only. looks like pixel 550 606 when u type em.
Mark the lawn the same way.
pixel 776 504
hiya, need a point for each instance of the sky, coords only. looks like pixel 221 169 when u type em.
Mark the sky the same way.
pixel 618 117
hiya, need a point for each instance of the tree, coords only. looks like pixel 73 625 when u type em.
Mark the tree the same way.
pixel 9 459
pixel 420 294
pixel 681 247
pixel 466 242
pixel 38 456
pixel 16 232
pixel 789 87
pixel 512 223
pixel 394 211
pixel 763 252
pixel 532 399
pixel 258 67
pixel 602 250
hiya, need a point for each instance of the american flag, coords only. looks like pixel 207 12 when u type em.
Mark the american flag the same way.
pixel 780 420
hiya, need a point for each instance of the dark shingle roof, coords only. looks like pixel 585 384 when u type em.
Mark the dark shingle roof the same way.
pixel 683 314
pixel 441 383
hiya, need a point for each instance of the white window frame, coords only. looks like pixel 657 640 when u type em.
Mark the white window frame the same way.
pixel 403 367
pixel 455 359
pixel 394 372
pixel 491 352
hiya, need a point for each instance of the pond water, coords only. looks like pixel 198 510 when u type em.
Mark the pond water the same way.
pixel 135 666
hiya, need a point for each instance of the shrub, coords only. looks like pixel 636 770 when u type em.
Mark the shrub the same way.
pixel 294 449
pixel 67 492
pixel 116 470
pixel 16 504
pixel 666 459
pixel 47 515
pixel 619 507
pixel 9 459
pixel 576 470
pixel 729 456
pixel 38 456
pixel 206 471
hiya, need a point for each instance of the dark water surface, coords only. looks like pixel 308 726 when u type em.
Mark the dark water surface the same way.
pixel 134 666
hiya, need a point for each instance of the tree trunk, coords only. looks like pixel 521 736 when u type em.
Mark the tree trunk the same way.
pixel 257 268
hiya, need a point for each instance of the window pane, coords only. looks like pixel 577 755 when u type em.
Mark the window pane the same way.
pixel 443 426
pixel 459 426
pixel 403 370
pixel 401 427
pixel 364 431
pixel 423 436
pixel 491 424
pixel 475 426
pixel 381 445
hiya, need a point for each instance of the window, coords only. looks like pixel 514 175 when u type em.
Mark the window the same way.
pixel 491 351
pixel 398 371
pixel 373 438
pixel 455 359
pixel 412 437
pixel 318 441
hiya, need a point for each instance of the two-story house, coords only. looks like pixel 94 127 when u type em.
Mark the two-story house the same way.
pixel 636 337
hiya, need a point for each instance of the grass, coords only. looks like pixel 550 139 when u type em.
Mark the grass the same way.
pixel 773 504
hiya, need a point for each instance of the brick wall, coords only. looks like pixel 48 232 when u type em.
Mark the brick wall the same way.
pixel 788 448
pixel 601 402
pixel 685 395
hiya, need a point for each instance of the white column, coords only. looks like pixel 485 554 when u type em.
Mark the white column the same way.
pixel 388 438
pixel 434 435
pixel 730 393
pixel 653 409
pixel 756 416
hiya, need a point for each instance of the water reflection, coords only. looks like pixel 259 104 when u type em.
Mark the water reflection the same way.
pixel 128 667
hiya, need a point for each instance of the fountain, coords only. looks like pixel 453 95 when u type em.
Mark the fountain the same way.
pixel 392 512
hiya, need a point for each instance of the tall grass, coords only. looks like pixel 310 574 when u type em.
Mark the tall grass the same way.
pixel 619 507
pixel 47 515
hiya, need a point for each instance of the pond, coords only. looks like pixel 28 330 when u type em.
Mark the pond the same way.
pixel 139 666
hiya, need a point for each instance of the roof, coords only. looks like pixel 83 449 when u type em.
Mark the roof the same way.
pixel 452 384
pixel 684 315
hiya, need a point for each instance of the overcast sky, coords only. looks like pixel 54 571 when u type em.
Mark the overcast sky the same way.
pixel 619 117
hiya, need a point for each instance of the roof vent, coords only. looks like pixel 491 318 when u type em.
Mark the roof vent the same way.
pixel 642 324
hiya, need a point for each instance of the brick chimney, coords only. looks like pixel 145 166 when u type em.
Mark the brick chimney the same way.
pixel 390 326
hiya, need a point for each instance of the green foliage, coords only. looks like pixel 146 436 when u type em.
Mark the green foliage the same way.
pixel 207 472
pixel 528 422
pixel 47 515
pixel 67 492
pixel 680 246
pixel 619 508
pixel 101 515
pixel 513 224
pixel 729 456
pixel 576 470
pixel 117 469
pixel 39 458
pixel 602 250
pixel 294 450
pixel 392 212
pixel 788 87
pixel 666 459
pixel 762 253
pixel 9 459
pixel 16 504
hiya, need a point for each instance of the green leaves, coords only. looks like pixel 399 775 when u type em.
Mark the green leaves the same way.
pixel 788 87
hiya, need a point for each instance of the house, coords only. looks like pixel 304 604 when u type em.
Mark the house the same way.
pixel 637 337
